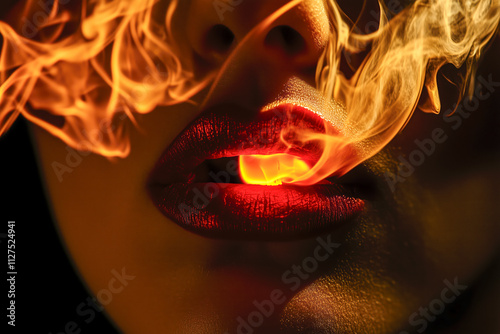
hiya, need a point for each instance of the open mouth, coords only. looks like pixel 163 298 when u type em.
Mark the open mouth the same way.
pixel 197 182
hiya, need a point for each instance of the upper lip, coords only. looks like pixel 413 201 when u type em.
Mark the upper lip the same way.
pixel 230 131
pixel 227 131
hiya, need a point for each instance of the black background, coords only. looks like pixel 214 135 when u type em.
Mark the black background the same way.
pixel 48 289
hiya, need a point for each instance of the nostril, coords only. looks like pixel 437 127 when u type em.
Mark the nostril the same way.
pixel 219 38
pixel 286 39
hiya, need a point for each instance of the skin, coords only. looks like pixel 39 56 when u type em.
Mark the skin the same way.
pixel 439 224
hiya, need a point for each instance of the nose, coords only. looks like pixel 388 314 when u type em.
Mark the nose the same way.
pixel 290 34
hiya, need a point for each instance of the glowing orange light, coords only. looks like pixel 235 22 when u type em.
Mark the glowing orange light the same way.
pixel 271 170
pixel 83 71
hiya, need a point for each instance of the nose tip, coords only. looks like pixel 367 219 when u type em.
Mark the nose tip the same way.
pixel 298 34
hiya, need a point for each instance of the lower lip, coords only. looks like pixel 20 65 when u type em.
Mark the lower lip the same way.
pixel 243 211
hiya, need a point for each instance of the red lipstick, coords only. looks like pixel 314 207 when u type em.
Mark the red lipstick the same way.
pixel 196 184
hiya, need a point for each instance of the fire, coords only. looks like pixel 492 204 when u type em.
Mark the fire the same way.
pixel 85 68
pixel 271 170
pixel 405 55
pixel 80 84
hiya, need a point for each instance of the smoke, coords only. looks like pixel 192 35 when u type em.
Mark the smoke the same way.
pixel 107 60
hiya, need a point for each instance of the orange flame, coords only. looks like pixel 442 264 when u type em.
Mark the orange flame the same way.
pixel 81 83
pixel 271 170
pixel 405 55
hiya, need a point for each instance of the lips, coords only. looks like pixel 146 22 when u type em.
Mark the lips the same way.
pixel 196 182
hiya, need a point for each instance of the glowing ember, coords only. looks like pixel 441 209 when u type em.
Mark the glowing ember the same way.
pixel 89 67
pixel 271 170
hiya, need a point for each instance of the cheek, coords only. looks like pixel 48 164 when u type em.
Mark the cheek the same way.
pixel 439 148
pixel 446 193
pixel 462 211
pixel 109 224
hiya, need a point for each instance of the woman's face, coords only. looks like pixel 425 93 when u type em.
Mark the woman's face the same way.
pixel 428 219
